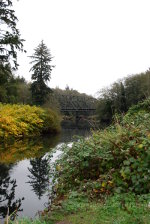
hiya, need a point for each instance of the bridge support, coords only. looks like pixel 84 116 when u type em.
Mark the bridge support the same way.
pixel 77 118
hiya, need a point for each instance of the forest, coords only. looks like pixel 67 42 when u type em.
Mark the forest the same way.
pixel 121 95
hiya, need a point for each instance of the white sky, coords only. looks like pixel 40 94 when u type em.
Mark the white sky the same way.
pixel 94 42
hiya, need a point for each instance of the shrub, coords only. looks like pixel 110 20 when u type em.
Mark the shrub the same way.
pixel 116 159
pixel 20 121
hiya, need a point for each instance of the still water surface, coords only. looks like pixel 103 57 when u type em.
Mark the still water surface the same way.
pixel 24 173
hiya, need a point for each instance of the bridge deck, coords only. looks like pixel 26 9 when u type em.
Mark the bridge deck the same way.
pixel 77 109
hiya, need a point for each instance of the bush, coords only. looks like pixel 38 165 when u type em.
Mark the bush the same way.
pixel 20 121
pixel 114 160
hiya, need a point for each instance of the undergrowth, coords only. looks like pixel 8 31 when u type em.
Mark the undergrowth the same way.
pixel 114 160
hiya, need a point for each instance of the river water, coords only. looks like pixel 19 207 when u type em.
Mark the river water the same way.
pixel 24 173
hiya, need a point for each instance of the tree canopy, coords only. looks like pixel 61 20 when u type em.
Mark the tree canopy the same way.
pixel 121 95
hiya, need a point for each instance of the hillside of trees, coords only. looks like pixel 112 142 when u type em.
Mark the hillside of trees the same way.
pixel 121 95
pixel 70 98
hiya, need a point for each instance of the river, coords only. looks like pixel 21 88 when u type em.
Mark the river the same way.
pixel 24 173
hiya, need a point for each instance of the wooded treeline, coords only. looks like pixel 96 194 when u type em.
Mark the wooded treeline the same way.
pixel 121 95
pixel 70 98
pixel 14 89
pixel 114 99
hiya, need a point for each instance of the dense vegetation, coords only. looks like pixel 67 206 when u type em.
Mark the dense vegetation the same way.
pixel 25 121
pixel 105 178
pixel 14 89
pixel 70 98
pixel 121 95
pixel 114 160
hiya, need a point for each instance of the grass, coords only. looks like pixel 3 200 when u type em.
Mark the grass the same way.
pixel 28 221
pixel 116 209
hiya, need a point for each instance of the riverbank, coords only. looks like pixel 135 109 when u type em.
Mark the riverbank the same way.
pixel 25 167
pixel 116 209
pixel 115 161
pixel 108 173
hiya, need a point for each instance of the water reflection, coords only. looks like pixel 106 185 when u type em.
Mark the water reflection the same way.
pixel 7 194
pixel 24 172
pixel 26 149
pixel 39 178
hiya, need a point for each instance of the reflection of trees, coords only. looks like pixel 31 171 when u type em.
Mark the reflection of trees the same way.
pixel 26 149
pixel 7 194
pixel 39 178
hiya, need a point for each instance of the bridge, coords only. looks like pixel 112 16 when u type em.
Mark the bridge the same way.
pixel 77 111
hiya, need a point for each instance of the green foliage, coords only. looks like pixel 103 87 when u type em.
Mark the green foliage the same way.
pixel 20 121
pixel 119 209
pixel 10 41
pixel 13 89
pixel 28 221
pixel 51 117
pixel 114 160
pixel 41 69
pixel 116 209
pixel 121 95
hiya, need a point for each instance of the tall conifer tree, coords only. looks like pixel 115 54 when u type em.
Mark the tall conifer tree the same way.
pixel 41 73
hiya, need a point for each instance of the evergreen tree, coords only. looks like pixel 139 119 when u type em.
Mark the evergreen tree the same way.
pixel 10 40
pixel 5 74
pixel 41 69
pixel 123 104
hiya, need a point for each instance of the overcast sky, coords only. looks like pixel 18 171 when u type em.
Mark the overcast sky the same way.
pixel 94 42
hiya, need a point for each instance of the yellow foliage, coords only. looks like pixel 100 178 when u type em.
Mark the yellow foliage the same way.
pixel 58 168
pixel 20 149
pixel 103 184
pixel 23 121
pixel 140 146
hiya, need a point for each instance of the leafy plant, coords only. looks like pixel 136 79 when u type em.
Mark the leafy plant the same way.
pixel 114 160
